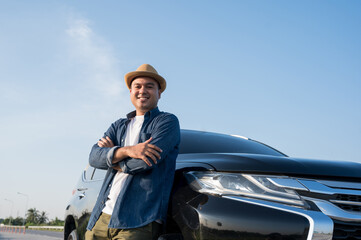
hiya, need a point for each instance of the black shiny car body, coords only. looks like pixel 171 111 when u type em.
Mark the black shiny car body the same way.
pixel 231 187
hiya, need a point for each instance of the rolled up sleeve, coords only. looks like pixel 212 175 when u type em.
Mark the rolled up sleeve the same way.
pixel 101 157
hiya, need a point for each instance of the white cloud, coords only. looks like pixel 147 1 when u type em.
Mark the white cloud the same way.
pixel 95 58
pixel 53 122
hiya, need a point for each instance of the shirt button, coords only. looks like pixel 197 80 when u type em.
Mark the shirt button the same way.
pixel 122 140
pixel 110 185
pixel 102 202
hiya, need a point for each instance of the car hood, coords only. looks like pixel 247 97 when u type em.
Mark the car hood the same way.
pixel 255 163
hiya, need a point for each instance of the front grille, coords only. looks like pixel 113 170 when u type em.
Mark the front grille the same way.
pixel 349 202
pixel 347 197
pixel 346 231
pixel 348 207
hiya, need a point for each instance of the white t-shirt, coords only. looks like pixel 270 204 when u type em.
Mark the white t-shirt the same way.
pixel 131 139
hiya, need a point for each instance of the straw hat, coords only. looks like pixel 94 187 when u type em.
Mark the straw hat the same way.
pixel 145 70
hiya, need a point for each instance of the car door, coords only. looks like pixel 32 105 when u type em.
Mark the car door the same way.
pixel 86 194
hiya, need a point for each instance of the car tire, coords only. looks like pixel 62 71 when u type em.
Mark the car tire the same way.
pixel 73 235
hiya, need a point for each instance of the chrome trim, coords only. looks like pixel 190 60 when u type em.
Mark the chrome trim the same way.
pixel 252 179
pixel 346 202
pixel 317 187
pixel 321 226
pixel 336 184
pixel 335 212
pixel 326 203
pixel 287 183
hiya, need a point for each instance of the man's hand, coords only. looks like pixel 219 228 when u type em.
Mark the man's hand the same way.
pixel 140 151
pixel 105 142
pixel 144 150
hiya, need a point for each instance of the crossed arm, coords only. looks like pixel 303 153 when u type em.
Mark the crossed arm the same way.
pixel 165 138
pixel 140 151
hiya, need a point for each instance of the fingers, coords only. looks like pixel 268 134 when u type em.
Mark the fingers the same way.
pixel 110 142
pixel 105 142
pixel 155 147
pixel 152 146
pixel 153 154
pixel 145 151
pixel 100 143
pixel 152 151
pixel 145 159
pixel 150 139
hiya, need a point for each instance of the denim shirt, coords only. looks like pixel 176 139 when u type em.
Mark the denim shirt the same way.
pixel 145 195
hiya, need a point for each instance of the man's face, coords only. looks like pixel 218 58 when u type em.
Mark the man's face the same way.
pixel 144 94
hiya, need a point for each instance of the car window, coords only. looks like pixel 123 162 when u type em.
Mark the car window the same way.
pixel 88 173
pixel 99 174
pixel 208 142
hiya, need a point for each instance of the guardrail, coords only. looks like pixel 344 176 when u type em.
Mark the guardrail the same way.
pixel 22 229
pixel 47 227
pixel 12 229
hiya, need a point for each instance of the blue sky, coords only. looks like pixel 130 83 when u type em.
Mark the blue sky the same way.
pixel 286 73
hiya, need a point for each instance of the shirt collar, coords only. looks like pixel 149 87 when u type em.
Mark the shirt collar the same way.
pixel 150 114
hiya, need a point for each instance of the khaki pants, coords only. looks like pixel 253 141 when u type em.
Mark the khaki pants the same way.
pixel 101 231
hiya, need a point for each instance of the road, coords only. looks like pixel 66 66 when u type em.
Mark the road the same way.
pixel 32 235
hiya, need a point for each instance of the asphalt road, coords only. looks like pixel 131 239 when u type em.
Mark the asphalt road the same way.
pixel 32 235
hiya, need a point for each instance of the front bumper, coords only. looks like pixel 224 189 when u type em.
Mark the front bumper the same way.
pixel 230 217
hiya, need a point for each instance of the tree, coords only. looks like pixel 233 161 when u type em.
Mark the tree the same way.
pixel 32 216
pixel 56 222
pixel 42 218
pixel 14 221
pixel 17 221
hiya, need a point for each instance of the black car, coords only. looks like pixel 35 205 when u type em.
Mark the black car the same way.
pixel 231 187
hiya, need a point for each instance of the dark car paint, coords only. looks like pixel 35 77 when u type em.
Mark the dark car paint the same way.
pixel 208 142
pixel 200 216
pixel 257 163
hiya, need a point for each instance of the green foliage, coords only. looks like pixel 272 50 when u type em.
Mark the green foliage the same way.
pixel 42 218
pixel 6 221
pixel 14 221
pixel 33 218
pixel 18 221
pixel 56 222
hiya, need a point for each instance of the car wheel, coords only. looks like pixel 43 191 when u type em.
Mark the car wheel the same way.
pixel 73 235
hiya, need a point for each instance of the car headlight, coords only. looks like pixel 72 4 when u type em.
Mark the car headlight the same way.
pixel 253 186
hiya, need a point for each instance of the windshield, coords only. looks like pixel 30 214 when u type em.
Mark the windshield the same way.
pixel 207 142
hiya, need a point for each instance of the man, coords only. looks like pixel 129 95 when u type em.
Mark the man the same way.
pixel 139 152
